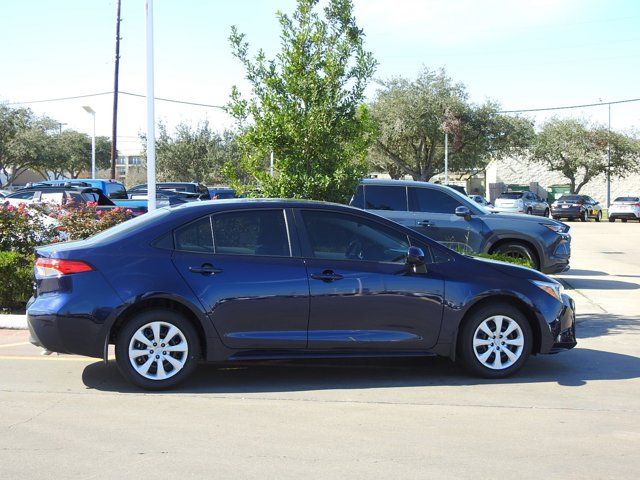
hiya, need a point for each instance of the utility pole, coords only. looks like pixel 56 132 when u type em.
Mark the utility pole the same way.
pixel 151 122
pixel 114 129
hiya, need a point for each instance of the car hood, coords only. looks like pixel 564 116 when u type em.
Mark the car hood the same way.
pixel 512 269
pixel 498 219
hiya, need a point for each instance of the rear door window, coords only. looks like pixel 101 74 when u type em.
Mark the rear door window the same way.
pixel 195 237
pixel 379 197
pixel 432 201
pixel 258 232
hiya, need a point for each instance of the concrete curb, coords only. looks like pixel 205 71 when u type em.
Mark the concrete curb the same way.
pixel 13 322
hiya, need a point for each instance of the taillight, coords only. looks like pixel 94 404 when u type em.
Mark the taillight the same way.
pixel 636 204
pixel 55 267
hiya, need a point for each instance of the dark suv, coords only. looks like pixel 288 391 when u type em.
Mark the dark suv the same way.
pixel 186 187
pixel 461 224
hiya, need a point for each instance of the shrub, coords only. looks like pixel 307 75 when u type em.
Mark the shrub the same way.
pixel 84 220
pixel 16 272
pixel 23 228
pixel 505 258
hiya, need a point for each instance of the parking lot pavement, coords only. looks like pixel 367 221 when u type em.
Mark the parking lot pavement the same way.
pixel 572 415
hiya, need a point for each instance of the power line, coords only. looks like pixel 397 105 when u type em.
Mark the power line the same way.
pixel 600 104
pixel 171 100
pixel 61 98
pixel 207 105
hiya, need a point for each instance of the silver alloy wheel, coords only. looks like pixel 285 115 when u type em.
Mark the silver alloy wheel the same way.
pixel 498 342
pixel 158 350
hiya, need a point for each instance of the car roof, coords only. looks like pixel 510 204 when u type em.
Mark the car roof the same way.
pixel 233 203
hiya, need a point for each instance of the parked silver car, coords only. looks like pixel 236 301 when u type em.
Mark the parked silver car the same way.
pixel 625 208
pixel 521 202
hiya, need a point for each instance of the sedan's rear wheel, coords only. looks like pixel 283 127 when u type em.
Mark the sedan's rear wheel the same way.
pixel 157 349
pixel 495 341
pixel 546 213
pixel 584 216
pixel 599 216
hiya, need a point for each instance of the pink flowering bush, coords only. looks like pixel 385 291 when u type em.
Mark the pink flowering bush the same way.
pixel 83 220
pixel 23 228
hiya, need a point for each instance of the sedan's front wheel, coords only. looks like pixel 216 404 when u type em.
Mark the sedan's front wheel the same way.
pixel 495 341
pixel 157 349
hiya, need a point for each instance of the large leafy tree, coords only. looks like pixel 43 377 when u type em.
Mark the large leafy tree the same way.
pixel 413 116
pixel 306 105
pixel 580 151
pixel 72 154
pixel 13 124
pixel 194 153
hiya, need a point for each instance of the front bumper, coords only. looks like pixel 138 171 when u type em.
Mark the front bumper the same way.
pixel 562 328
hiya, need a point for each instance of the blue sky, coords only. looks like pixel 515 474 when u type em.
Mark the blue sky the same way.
pixel 523 54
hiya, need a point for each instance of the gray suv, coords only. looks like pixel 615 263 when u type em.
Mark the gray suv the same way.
pixel 454 220
pixel 521 202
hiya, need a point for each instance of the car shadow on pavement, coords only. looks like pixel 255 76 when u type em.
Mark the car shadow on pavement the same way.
pixel 597 284
pixel 598 324
pixel 574 368
pixel 585 273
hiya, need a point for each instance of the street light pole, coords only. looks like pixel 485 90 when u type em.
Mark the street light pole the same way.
pixel 93 140
pixel 609 162
pixel 446 158
pixel 151 131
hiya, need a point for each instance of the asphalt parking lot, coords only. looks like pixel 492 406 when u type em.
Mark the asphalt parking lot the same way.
pixel 573 415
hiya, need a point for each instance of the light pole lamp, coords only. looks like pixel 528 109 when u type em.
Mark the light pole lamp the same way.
pixel 93 140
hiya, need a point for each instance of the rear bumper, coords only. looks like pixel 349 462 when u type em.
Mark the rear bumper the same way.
pixel 627 215
pixel 566 212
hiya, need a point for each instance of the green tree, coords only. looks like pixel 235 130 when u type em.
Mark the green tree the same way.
pixel 413 116
pixel 306 105
pixel 194 153
pixel 72 154
pixel 580 151
pixel 13 159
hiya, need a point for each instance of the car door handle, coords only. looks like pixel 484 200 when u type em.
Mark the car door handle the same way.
pixel 327 276
pixel 425 223
pixel 205 269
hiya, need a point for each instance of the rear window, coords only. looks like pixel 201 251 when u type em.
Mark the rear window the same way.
pixel 386 198
pixel 125 228
pixel 627 199
pixel 511 195
pixel 115 190
pixel 570 198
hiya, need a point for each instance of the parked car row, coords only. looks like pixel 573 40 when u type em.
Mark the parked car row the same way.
pixel 114 193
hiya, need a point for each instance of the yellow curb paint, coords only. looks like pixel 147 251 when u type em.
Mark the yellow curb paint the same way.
pixel 52 358
pixel 14 344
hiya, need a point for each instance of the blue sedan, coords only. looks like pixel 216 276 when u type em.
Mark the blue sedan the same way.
pixel 244 279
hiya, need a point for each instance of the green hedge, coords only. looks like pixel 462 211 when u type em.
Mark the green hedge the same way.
pixel 16 279
pixel 505 258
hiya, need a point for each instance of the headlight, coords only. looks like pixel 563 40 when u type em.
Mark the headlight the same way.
pixel 554 227
pixel 552 288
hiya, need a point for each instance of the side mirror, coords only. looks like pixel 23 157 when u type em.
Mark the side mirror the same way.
pixel 463 211
pixel 415 260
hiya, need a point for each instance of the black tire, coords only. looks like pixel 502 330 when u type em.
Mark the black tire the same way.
pixel 165 316
pixel 584 216
pixel 612 219
pixel 546 213
pixel 529 211
pixel 519 250
pixel 599 216
pixel 555 218
pixel 624 220
pixel 472 321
